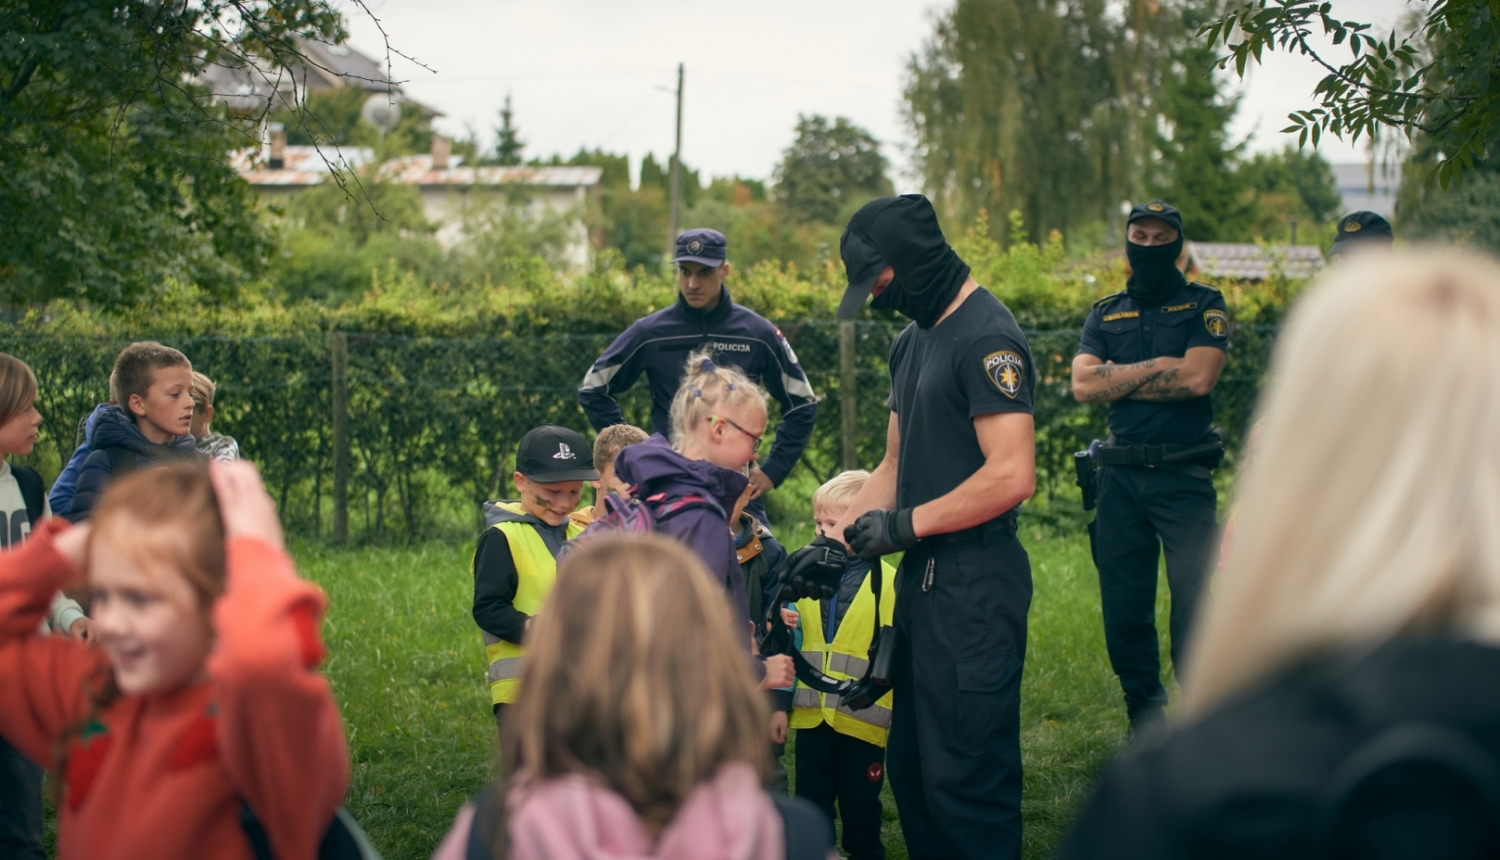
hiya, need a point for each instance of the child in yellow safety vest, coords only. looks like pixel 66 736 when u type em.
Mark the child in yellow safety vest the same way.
pixel 515 562
pixel 841 752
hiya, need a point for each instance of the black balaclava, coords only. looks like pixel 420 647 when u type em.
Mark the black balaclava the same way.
pixel 1154 276
pixel 904 232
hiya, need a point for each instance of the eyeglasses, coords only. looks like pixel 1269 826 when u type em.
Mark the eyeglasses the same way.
pixel 753 438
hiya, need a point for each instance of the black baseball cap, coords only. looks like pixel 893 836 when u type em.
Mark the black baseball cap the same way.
pixel 550 454
pixel 702 245
pixel 1156 209
pixel 1358 228
pixel 908 223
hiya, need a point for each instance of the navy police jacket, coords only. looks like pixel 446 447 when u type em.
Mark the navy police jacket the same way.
pixel 1120 331
pixel 659 345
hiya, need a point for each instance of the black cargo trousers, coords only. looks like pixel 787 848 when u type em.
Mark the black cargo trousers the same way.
pixel 1143 511
pixel 954 750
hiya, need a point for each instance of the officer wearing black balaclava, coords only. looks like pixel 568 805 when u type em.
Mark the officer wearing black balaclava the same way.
pixel 959 460
pixel 1153 353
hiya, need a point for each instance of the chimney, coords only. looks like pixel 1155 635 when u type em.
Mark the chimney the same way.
pixel 442 147
pixel 277 161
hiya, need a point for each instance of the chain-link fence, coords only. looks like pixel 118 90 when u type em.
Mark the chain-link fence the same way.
pixel 433 423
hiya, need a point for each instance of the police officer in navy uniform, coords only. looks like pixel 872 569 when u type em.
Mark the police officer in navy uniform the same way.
pixel 705 316
pixel 1153 353
pixel 960 458
pixel 1362 231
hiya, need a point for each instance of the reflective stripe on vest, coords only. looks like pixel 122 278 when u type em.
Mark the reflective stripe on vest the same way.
pixel 847 657
pixel 536 571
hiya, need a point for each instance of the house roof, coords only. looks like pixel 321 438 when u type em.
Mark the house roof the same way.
pixel 1246 262
pixel 303 166
pixel 245 88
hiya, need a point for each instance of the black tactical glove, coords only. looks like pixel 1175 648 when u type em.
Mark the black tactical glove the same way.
pixel 816 569
pixel 878 533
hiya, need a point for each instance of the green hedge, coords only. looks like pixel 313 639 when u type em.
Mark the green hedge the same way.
pixel 444 380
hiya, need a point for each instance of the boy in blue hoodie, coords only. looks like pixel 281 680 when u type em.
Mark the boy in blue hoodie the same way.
pixel 151 423
pixel 515 562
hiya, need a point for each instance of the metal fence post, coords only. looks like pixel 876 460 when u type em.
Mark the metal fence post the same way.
pixel 848 408
pixel 340 437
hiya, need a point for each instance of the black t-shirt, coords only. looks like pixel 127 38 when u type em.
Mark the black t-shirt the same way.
pixel 975 362
pixel 1118 330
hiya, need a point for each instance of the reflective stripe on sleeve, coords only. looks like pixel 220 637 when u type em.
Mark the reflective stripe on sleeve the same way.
pixel 601 377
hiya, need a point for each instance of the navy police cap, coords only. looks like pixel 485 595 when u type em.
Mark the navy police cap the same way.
pixel 702 245
pixel 1156 209
pixel 1361 227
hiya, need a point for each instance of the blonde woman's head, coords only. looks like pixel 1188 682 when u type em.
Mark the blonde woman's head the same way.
pixel 718 415
pixel 1372 504
pixel 634 675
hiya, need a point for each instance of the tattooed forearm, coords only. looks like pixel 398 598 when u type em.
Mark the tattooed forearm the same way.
pixel 1114 392
pixel 1105 371
pixel 1164 388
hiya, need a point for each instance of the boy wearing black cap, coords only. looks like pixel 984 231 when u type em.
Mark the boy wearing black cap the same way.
pixel 704 316
pixel 1362 230
pixel 1153 353
pixel 515 562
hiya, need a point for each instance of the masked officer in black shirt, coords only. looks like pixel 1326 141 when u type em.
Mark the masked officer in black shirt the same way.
pixel 1153 352
pixel 960 458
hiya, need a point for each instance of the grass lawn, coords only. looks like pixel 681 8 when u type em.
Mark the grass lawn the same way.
pixel 408 669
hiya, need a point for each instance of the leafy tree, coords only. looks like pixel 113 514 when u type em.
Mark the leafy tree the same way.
pixel 114 174
pixel 1196 169
pixel 1437 82
pixel 1287 185
pixel 508 143
pixel 827 166
pixel 1045 108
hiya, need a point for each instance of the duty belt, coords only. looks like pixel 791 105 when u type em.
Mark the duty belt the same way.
pixel 1005 524
pixel 1169 454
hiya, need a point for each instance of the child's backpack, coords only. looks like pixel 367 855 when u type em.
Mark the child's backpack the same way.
pixel 634 516
pixel 344 839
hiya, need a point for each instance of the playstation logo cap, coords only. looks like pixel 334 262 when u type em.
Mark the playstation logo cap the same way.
pixel 550 454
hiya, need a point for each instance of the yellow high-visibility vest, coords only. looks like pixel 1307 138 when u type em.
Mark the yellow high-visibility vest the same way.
pixel 845 658
pixel 536 571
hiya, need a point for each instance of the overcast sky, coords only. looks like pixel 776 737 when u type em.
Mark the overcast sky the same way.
pixel 600 73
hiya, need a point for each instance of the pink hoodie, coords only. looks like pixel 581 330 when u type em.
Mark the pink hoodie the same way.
pixel 575 818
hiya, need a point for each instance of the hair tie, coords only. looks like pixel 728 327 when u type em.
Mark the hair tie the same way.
pixel 731 386
pixel 707 366
pixel 697 392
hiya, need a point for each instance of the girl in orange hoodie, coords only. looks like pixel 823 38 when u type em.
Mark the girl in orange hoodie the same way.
pixel 201 698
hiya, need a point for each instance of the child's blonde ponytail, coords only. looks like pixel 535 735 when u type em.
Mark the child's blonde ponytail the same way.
pixel 706 388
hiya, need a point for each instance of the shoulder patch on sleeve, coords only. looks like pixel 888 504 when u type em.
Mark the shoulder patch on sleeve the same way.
pixel 1217 323
pixel 1006 369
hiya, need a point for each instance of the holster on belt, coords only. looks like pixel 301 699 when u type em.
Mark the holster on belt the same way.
pixel 1086 469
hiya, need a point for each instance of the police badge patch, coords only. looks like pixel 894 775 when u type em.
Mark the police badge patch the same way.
pixel 1217 323
pixel 1006 369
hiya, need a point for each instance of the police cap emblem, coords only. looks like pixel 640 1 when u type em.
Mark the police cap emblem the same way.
pixel 1006 369
pixel 695 246
pixel 1156 207
pixel 1353 227
pixel 1217 323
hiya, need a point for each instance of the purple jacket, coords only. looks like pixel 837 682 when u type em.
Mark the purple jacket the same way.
pixel 653 467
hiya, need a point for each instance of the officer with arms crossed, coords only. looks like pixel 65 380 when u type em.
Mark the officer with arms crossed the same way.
pixel 959 460
pixel 704 316
pixel 1153 352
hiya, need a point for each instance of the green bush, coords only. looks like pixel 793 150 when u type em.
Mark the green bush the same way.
pixel 444 380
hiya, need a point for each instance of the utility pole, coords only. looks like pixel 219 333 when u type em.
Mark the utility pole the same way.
pixel 676 170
